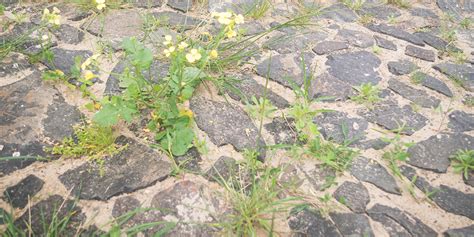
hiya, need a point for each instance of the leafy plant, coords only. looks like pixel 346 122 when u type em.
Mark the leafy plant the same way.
pixel 392 19
pixel 258 9
pixel 366 19
pixel 189 60
pixel 303 116
pixel 334 156
pixel 376 49
pixel 368 95
pixel 399 3
pixel 259 107
pixel 92 141
pixel 469 101
pixel 398 152
pixel 463 162
pixel 417 77
pixel 56 225
pixel 466 23
pixel 255 204
pixel 61 219
pixel 355 5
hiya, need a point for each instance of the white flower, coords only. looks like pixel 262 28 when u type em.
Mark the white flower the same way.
pixel 100 4
pixel 193 56
pixel 223 17
pixel 182 45
pixel 168 39
pixel 45 37
pixel 169 50
pixel 239 19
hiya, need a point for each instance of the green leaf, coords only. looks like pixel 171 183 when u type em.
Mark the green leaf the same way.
pixel 187 92
pixel 182 140
pixel 140 56
pixel 107 116
pixel 116 109
pixel 192 74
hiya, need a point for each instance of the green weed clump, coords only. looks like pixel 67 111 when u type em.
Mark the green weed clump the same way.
pixel 260 106
pixel 255 196
pixel 354 4
pixel 191 62
pixel 62 219
pixel 397 153
pixel 463 162
pixel 399 3
pixel 368 95
pixel 92 141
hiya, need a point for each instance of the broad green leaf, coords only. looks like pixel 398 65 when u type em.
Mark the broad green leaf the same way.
pixel 182 140
pixel 192 74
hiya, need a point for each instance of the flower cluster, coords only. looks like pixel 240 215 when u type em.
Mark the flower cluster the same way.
pixel 52 17
pixel 229 19
pixel 193 55
pixel 100 4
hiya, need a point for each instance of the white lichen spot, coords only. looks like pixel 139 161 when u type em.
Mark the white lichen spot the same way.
pixel 195 209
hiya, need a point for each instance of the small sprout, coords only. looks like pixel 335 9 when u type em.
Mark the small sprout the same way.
pixel 376 49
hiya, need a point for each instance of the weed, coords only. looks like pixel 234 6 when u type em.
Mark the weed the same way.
pixel 368 95
pixel 258 107
pixel 366 19
pixel 376 49
pixel 97 4
pixel 417 77
pixel 447 30
pixel 257 204
pixel 49 20
pixel 93 141
pixel 411 187
pixel 463 162
pixel 61 219
pixel 337 157
pixel 399 3
pixel 201 146
pixel 392 19
pixel 355 5
pixel 329 181
pixel 466 23
pixel 303 116
pixel 469 101
pixel 430 193
pixel 189 60
pixel 258 9
pixel 459 56
pixel 54 222
pixel 398 152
